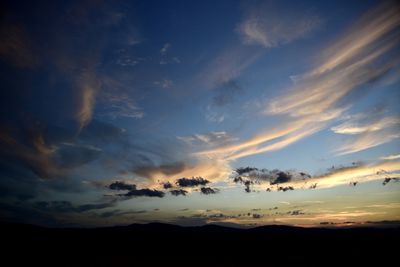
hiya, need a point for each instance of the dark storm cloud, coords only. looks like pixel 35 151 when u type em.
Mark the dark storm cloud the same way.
pixel 208 190
pixel 178 192
pixel 191 182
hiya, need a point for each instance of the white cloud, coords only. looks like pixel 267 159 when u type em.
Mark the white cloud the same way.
pixel 391 157
pixel 212 138
pixel 353 126
pixel 165 49
pixel 271 26
pixel 313 102
pixel 367 132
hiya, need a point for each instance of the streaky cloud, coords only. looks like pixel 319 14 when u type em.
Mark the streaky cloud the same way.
pixel 270 25
pixel 359 57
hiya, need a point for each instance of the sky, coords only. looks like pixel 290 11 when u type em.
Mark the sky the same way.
pixel 237 113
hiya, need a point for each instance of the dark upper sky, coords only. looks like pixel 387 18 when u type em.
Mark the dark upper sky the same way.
pixel 192 112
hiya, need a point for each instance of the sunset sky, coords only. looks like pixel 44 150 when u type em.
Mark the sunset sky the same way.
pixel 195 112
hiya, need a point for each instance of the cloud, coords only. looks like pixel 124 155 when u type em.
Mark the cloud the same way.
pixel 178 192
pixel 66 206
pixel 318 97
pixel 271 25
pixel 357 173
pixel 296 212
pixel 253 176
pixel 208 190
pixel 191 182
pixel 118 185
pixel 227 67
pixel 71 155
pixel 353 126
pixel 165 49
pixel 257 216
pixel 226 93
pixel 290 180
pixel 367 140
pixel 16 47
pixel 133 191
pixel 212 170
pixel 209 139
pixel 165 83
pixel 391 157
pixel 144 193
pixel 367 132
pixel 167 185
pixel 165 169
pixel 285 188
pixel 33 154
pixel 89 86
pixel 116 101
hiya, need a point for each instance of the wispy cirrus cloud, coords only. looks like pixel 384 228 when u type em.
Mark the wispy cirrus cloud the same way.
pixel 358 173
pixel 367 133
pixel 391 157
pixel 270 25
pixel 358 58
pixel 209 139
pixel 354 126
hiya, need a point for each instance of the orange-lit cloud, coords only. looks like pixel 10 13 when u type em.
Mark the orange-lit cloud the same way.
pixel 359 174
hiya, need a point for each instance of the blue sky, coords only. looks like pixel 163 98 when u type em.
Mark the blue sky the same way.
pixel 106 106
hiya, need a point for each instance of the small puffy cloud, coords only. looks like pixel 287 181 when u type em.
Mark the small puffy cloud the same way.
pixel 167 185
pixel 208 190
pixel 165 48
pixel 144 193
pixel 118 185
pixel 178 192
pixel 133 191
pixel 285 188
pixel 191 182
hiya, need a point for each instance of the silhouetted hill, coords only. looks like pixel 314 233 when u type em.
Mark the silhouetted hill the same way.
pixel 158 244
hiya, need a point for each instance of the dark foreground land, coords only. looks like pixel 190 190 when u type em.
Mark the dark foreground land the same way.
pixel 169 245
